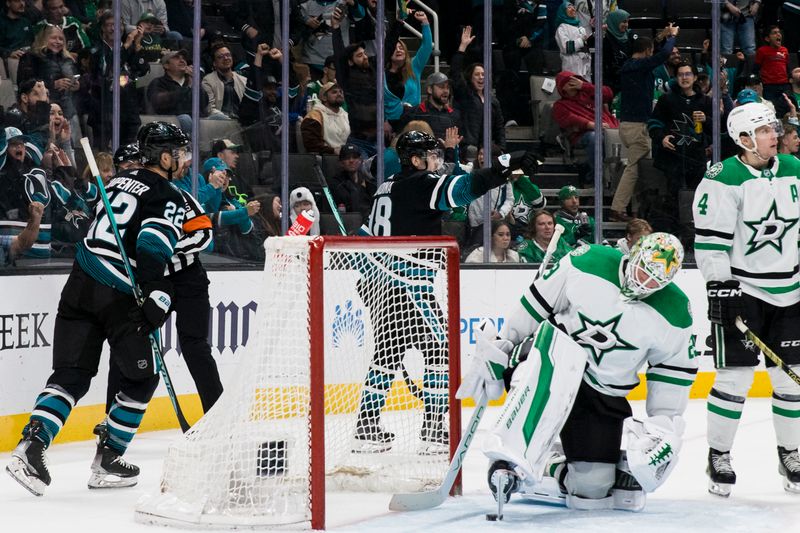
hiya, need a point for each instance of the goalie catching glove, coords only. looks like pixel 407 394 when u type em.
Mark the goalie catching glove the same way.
pixel 653 447
pixel 488 364
pixel 153 312
pixel 725 303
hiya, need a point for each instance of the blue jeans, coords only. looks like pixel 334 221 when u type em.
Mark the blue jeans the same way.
pixel 744 32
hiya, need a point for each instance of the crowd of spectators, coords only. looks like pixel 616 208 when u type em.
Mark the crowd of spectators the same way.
pixel 58 57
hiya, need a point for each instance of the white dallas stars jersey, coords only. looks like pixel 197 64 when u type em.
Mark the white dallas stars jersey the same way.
pixel 747 227
pixel 582 294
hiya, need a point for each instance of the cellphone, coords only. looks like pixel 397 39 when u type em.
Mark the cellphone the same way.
pixel 76 77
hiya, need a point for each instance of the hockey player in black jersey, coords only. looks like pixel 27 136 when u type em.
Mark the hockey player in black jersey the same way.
pixel 97 305
pixel 412 202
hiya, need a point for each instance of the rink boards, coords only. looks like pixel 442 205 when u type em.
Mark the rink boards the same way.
pixel 28 308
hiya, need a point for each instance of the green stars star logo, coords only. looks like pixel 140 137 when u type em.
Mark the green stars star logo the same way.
pixel 769 231
pixel 601 337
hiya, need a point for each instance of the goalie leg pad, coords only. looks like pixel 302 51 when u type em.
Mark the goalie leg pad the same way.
pixel 543 389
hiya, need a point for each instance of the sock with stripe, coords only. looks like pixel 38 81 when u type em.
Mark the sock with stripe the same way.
pixel 785 408
pixel 52 408
pixel 724 413
pixel 124 418
pixel 373 397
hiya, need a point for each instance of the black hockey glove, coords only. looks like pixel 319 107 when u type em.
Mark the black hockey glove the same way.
pixel 527 161
pixel 154 310
pixel 725 303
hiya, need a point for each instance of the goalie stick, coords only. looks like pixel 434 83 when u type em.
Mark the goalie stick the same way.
pixel 155 340
pixel 418 501
pixel 775 358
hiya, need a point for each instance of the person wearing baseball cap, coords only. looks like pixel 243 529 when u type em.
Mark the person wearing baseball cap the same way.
pixel 171 94
pixel 436 109
pixel 578 225
pixel 326 127
pixel 352 188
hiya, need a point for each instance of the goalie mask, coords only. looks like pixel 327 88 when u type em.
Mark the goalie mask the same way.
pixel 652 264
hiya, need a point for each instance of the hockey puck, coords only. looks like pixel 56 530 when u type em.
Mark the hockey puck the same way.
pixel 491 517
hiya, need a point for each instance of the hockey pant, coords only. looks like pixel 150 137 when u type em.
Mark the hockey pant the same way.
pixel 424 329
pixel 543 389
pixel 90 313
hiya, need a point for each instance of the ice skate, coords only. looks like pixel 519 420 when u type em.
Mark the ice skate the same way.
pixel 28 462
pixel 101 430
pixel 550 490
pixel 435 438
pixel 789 469
pixel 371 438
pixel 721 476
pixel 111 471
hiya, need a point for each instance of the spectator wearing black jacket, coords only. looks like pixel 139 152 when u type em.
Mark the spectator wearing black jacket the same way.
pixel 436 109
pixel 260 24
pixel 681 131
pixel 133 65
pixel 351 187
pixel 356 75
pixel 31 112
pixel 171 94
pixel 468 92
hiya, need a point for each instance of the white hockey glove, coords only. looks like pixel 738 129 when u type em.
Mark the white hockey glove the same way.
pixel 653 447
pixel 488 364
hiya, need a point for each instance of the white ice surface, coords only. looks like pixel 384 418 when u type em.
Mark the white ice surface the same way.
pixel 682 504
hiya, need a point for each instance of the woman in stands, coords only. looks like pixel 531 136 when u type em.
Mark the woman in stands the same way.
pixel 616 47
pixel 468 98
pixel 49 60
pixel 501 240
pixel 404 72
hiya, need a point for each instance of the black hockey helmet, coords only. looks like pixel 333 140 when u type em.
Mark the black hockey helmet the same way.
pixel 156 138
pixel 128 152
pixel 414 143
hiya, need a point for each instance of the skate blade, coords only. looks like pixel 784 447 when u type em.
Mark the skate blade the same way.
pixel 110 481
pixel 720 489
pixel 19 471
pixel 433 448
pixel 791 487
pixel 366 446
pixel 546 492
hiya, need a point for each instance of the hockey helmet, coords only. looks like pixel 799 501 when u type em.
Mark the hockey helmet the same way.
pixel 746 119
pixel 414 143
pixel 125 153
pixel 158 137
pixel 653 262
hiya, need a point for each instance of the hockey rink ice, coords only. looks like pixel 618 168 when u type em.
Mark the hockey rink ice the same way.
pixel 682 504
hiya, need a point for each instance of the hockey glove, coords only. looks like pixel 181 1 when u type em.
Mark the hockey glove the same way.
pixel 725 303
pixel 653 447
pixel 527 161
pixel 488 364
pixel 153 312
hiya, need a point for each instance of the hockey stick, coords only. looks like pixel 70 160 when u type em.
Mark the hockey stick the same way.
pixel 766 349
pixel 155 341
pixel 427 500
pixel 418 501
pixel 551 248
pixel 324 184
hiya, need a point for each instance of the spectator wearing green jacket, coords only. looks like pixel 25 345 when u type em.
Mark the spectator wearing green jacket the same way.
pixel 540 232
pixel 15 30
pixel 527 199
pixel 578 225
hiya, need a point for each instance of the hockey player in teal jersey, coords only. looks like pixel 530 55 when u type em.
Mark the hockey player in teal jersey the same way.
pixel 570 351
pixel 746 213
pixel 97 305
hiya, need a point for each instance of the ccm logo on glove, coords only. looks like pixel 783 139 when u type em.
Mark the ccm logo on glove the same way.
pixel 724 293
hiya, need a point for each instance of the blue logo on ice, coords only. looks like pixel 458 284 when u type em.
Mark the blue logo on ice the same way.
pixel 348 324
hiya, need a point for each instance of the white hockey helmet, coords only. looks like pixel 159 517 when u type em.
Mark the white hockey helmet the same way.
pixel 653 262
pixel 746 119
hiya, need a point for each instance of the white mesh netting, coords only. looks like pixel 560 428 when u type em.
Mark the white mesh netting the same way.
pixel 247 461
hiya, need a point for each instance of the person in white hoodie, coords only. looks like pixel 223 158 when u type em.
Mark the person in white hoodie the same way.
pixel 326 127
pixel 301 200
pixel 573 41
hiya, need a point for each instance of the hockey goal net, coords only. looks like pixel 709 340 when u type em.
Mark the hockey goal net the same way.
pixel 344 387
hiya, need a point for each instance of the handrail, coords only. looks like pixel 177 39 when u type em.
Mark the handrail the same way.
pixel 434 24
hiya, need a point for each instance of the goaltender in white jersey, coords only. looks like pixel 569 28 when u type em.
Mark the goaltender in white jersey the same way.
pixel 571 350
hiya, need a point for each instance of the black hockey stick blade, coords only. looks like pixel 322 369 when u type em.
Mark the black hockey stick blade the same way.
pixel 417 501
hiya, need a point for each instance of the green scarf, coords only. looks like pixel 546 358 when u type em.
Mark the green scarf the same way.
pixel 613 20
